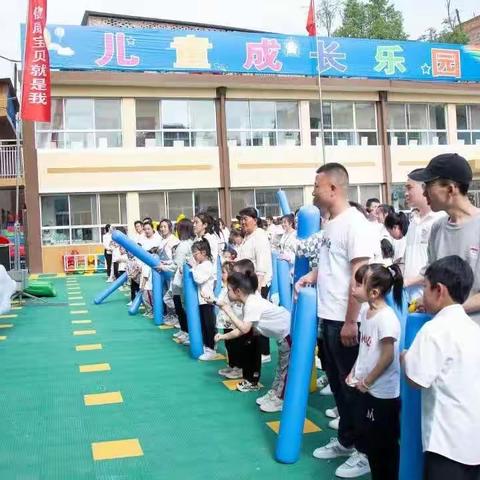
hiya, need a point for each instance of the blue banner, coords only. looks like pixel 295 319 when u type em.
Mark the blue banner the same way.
pixel 91 48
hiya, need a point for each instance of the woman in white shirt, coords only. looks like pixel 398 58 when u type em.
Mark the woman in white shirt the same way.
pixel 203 228
pixel 107 240
pixel 288 242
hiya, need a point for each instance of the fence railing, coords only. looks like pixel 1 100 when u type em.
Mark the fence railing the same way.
pixel 8 158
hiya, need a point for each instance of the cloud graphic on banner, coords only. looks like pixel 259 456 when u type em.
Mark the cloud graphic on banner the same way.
pixel 59 32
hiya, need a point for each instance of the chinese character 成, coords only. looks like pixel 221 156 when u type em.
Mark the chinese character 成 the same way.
pixel 446 63
pixel 263 55
pixel 388 61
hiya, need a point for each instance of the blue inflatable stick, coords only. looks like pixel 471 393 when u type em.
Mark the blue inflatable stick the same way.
pixel 283 202
pixel 157 294
pixel 136 250
pixel 110 289
pixel 284 284
pixel 273 293
pixel 298 380
pixel 218 282
pixel 192 310
pixel 411 451
pixel 137 301
pixel 402 313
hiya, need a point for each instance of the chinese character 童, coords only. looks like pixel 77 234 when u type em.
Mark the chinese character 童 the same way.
pixel 446 63
pixel 110 41
pixel 262 55
pixel 388 61
pixel 329 57
pixel 191 52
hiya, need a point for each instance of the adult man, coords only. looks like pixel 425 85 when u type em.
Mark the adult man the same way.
pixel 371 208
pixel 348 242
pixel 447 178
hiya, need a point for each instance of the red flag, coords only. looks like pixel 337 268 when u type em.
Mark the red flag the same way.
pixel 311 26
pixel 36 66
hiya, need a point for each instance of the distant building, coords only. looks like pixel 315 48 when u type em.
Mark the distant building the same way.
pixel 472 29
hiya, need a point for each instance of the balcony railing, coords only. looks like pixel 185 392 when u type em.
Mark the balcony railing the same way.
pixel 8 159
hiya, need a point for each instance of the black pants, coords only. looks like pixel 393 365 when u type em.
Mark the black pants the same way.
pixel 116 273
pixel 251 357
pixel 134 288
pixel 207 319
pixel 321 352
pixel 108 261
pixel 379 434
pixel 264 341
pixel 179 310
pixel 339 361
pixel 438 467
pixel 234 350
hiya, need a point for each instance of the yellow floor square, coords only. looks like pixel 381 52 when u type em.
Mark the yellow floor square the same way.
pixel 117 449
pixel 81 321
pixel 232 384
pixel 308 426
pixel 3 337
pixel 102 398
pixel 6 325
pixel 10 315
pixel 33 276
pixel 88 274
pixel 88 347
pixel 75 298
pixel 94 367
pixel 78 312
pixel 84 332
pixel 165 327
pixel 61 275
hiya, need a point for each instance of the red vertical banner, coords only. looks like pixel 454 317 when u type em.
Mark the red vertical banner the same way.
pixel 311 24
pixel 36 100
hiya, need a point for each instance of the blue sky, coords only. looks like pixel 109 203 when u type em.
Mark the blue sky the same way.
pixel 284 16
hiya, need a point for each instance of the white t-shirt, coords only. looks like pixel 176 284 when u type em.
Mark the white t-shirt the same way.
pixel 383 324
pixel 149 243
pixel 346 237
pixel 204 276
pixel 212 240
pixel 147 273
pixel 137 237
pixel 107 240
pixel 267 318
pixel 444 359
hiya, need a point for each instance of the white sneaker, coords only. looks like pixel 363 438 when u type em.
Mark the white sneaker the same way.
pixel 333 449
pixel 266 358
pixel 331 412
pixel 356 466
pixel 235 373
pixel 246 386
pixel 265 397
pixel 224 371
pixel 110 280
pixel 129 304
pixel 333 424
pixel 326 391
pixel 178 334
pixel 208 354
pixel 274 404
pixel 322 381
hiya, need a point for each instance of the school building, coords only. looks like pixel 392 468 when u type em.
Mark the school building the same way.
pixel 125 145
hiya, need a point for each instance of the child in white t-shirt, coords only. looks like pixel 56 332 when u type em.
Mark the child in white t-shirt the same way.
pixel 260 317
pixel 376 372
pixel 443 362
pixel 146 287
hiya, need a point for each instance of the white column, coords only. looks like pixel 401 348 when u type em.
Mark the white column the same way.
pixel 128 123
pixel 133 210
pixel 304 107
pixel 452 124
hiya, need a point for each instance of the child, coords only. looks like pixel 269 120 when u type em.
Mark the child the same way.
pixel 204 273
pixel 122 259
pixel 387 250
pixel 146 287
pixel 229 254
pixel 134 272
pixel 443 361
pixel 376 374
pixel 260 317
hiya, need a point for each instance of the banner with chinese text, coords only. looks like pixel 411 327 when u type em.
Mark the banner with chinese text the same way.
pixel 93 48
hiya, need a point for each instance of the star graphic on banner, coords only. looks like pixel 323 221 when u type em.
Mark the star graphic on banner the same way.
pixel 291 48
pixel 130 41
pixel 426 69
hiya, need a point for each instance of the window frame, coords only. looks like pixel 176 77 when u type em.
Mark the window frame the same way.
pixel 469 130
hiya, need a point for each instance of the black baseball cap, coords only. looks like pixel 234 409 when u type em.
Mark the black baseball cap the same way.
pixel 449 166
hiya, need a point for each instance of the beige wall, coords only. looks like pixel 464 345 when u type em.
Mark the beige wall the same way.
pixel 52 256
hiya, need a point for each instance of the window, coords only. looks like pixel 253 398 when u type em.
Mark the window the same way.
pixel 79 123
pixel 70 219
pixel 344 123
pixel 417 124
pixel 206 201
pixel 398 197
pixel 361 193
pixel 152 205
pixel 262 123
pixel 468 124
pixel 265 200
pixel 176 123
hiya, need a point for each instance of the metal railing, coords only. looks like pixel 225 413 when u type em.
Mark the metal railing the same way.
pixel 8 158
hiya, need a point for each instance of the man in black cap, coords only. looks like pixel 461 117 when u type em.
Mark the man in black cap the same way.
pixel 446 181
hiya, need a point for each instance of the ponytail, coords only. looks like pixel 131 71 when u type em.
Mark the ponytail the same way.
pixel 202 246
pixel 386 279
pixel 397 287
pixel 246 282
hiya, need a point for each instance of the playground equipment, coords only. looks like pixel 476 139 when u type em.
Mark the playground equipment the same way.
pixel 283 202
pixel 192 310
pixel 135 306
pixel 110 289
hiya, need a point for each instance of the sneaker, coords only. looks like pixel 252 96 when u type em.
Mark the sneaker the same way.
pixel 265 397
pixel 266 358
pixel 129 304
pixel 318 363
pixel 274 404
pixel 326 391
pixel 235 373
pixel 331 412
pixel 178 334
pixel 169 319
pixel 110 280
pixel 332 449
pixel 208 354
pixel 247 386
pixel 333 424
pixel 224 371
pixel 186 342
pixel 356 466
pixel 322 381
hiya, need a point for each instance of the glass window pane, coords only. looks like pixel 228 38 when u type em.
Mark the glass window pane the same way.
pixel 55 211
pixel 207 201
pixel 353 193
pixel 476 138
pixel 397 138
pixel 437 117
pixel 289 138
pixel 85 235
pixel 475 117
pixel 437 138
pixel 287 115
pixel 176 139
pixel 344 138
pixel 315 138
pixel 147 113
pixel 108 139
pixel 396 116
pixel 264 139
pixel 267 203
pixel 123 208
pixel 417 138
pixel 79 114
pixel 462 123
pixel 83 210
pixel 368 191
pixel 241 199
pixel 77 140
pixel 109 209
pixel 465 137
pixel 417 115
pixel 175 114
pixel 328 138
pixel 237 115
pixel 108 115
pixel 365 116
pixel 149 139
pixel 202 115
pixel 152 205
pixel 398 197
pixel 204 139
pixel 295 198
pixel 263 115
pixel 180 202
pixel 57 117
pixel 58 236
pixel 327 115
pixel 314 115
pixel 239 139
pixel 50 140
pixel 342 113
pixel 367 138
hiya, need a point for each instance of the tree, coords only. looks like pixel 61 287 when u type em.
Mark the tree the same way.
pixel 373 19
pixel 327 12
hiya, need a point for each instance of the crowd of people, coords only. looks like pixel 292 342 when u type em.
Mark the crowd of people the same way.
pixel 364 260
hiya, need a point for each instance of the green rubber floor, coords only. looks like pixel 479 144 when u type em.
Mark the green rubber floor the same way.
pixel 188 424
